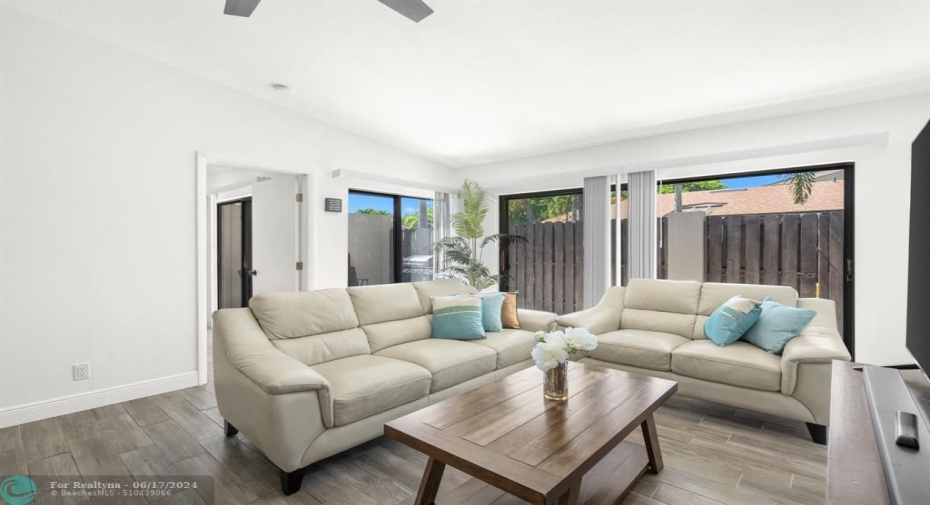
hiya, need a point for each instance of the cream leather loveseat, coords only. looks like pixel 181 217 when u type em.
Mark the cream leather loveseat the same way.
pixel 656 327
pixel 307 375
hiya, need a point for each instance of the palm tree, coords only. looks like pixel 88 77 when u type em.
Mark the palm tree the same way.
pixel 801 184
pixel 463 252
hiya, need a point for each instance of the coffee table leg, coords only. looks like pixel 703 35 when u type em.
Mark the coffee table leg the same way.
pixel 651 438
pixel 571 496
pixel 429 486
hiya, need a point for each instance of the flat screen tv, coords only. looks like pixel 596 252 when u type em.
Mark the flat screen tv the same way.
pixel 918 283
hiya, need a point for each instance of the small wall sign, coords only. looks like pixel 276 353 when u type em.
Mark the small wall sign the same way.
pixel 333 205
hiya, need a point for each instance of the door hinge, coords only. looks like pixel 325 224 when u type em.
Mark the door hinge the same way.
pixel 300 265
pixel 300 197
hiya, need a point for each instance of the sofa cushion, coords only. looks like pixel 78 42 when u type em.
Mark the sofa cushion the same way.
pixel 426 290
pixel 299 314
pixel 732 320
pixel 663 322
pixel 510 318
pixel 491 305
pixel 382 335
pixel 661 305
pixel 388 302
pixel 366 385
pixel 644 349
pixel 457 317
pixel 741 364
pixel 715 294
pixel 777 325
pixel 511 346
pixel 663 295
pixel 450 361
pixel 324 346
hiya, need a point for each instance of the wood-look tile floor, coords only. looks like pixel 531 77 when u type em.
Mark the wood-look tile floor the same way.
pixel 713 455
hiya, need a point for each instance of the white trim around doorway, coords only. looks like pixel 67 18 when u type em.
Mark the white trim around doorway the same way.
pixel 305 277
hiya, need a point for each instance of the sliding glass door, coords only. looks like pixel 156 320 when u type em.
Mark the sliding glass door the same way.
pixel 788 227
pixel 390 239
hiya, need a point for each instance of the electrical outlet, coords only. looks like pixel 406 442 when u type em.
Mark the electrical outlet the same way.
pixel 81 371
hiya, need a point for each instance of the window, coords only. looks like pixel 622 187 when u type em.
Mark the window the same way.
pixel 390 239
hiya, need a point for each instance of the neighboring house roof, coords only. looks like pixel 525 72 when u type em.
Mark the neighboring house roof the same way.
pixel 773 199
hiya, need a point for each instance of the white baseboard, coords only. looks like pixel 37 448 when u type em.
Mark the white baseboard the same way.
pixel 44 409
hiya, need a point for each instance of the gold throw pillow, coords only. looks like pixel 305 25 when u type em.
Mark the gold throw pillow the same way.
pixel 509 311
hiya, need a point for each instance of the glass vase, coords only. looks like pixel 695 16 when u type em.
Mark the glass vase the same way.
pixel 555 385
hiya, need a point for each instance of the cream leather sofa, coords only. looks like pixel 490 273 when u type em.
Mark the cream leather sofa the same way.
pixel 310 374
pixel 656 327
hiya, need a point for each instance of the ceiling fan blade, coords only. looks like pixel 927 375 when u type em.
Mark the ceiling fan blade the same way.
pixel 415 10
pixel 241 8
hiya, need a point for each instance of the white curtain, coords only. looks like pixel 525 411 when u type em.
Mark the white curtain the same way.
pixel 596 219
pixel 642 225
pixel 442 227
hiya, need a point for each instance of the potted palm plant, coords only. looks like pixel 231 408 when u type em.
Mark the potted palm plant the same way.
pixel 463 253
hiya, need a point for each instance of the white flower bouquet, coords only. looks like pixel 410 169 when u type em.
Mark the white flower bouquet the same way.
pixel 555 348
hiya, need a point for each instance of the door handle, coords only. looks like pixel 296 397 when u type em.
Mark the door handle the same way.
pixel 253 272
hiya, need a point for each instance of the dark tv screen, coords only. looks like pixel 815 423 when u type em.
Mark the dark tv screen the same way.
pixel 918 285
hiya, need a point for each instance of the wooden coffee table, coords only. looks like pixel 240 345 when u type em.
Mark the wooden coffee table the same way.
pixel 507 436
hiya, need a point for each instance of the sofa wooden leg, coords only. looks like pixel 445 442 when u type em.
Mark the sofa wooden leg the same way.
pixel 818 433
pixel 290 481
pixel 229 429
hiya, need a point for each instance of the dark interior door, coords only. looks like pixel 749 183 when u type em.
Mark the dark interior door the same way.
pixel 234 253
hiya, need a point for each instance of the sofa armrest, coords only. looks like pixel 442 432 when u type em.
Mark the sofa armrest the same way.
pixel 597 320
pixel 806 363
pixel 826 311
pixel 536 320
pixel 238 334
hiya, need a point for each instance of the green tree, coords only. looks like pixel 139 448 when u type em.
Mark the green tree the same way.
pixel 412 220
pixel 693 186
pixel 801 185
pixel 378 212
pixel 463 253
pixel 539 209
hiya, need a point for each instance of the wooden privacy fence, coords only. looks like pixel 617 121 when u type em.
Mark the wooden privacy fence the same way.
pixel 548 269
pixel 797 250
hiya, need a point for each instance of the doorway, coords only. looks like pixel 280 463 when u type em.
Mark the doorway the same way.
pixel 234 253
pixel 277 234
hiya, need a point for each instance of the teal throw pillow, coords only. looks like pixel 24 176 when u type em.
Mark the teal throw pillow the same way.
pixel 491 304
pixel 777 325
pixel 457 317
pixel 732 320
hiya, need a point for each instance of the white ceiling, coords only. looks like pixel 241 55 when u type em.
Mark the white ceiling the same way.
pixel 484 80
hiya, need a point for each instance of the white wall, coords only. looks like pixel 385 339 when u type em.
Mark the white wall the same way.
pixel 97 204
pixel 881 201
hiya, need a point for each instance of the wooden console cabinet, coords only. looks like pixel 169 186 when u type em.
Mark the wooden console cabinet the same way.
pixel 854 467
